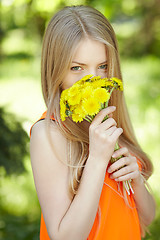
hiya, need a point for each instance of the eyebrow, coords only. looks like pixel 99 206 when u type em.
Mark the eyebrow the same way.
pixel 83 64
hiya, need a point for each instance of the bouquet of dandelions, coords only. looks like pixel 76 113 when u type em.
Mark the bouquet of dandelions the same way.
pixel 85 98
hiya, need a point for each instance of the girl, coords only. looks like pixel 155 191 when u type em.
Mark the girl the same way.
pixel 80 193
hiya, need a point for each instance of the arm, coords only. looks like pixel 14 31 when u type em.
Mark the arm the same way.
pixel 65 218
pixel 146 208
pixel 143 199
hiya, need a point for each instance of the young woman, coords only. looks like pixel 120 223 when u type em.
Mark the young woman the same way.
pixel 80 193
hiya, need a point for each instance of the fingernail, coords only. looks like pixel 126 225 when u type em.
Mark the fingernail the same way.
pixel 113 155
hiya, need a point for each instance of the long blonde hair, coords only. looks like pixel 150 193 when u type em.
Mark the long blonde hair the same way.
pixel 65 30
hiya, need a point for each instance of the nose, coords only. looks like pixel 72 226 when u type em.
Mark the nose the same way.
pixel 93 71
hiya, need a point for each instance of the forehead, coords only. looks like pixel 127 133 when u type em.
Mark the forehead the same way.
pixel 90 50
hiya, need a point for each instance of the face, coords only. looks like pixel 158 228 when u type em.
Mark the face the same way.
pixel 90 57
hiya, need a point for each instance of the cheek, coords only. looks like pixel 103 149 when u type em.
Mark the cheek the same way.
pixel 64 85
pixel 69 80
pixel 103 74
pixel 66 81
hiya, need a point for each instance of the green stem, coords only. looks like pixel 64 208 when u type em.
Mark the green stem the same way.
pixel 88 119
pixel 115 149
pixel 106 104
pixel 112 90
pixel 105 118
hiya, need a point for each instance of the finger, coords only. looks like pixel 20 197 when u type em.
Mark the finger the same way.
pixel 107 124
pixel 125 171
pixel 100 116
pixel 110 115
pixel 111 130
pixel 118 164
pixel 114 136
pixel 121 151
pixel 121 172
pixel 128 176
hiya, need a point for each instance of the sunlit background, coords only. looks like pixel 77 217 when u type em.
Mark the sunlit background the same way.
pixel 137 25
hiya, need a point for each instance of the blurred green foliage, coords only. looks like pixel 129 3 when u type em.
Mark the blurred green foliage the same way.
pixel 23 23
pixel 17 194
pixel 137 23
pixel 13 147
pixel 18 227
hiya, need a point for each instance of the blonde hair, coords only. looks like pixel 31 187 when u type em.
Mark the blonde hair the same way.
pixel 65 30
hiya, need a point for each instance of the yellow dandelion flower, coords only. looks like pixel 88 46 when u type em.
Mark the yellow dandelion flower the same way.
pixel 73 107
pixel 106 79
pixel 101 95
pixel 87 91
pixel 86 96
pixel 117 82
pixel 74 90
pixel 120 86
pixel 80 111
pixel 62 110
pixel 115 79
pixel 85 85
pixel 77 84
pixel 74 99
pixel 85 78
pixel 64 95
pixel 76 118
pixel 91 106
pixel 109 83
pixel 95 78
pixel 98 83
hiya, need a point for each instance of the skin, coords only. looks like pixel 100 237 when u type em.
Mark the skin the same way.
pixel 89 58
pixel 51 175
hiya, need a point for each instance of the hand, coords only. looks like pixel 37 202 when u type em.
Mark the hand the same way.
pixel 103 136
pixel 125 168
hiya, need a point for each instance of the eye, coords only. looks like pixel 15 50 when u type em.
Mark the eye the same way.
pixel 103 67
pixel 76 68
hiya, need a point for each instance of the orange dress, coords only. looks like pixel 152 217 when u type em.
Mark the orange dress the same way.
pixel 118 220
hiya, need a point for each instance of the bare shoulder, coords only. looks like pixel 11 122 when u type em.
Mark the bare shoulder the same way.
pixel 46 158
pixel 50 173
pixel 40 140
